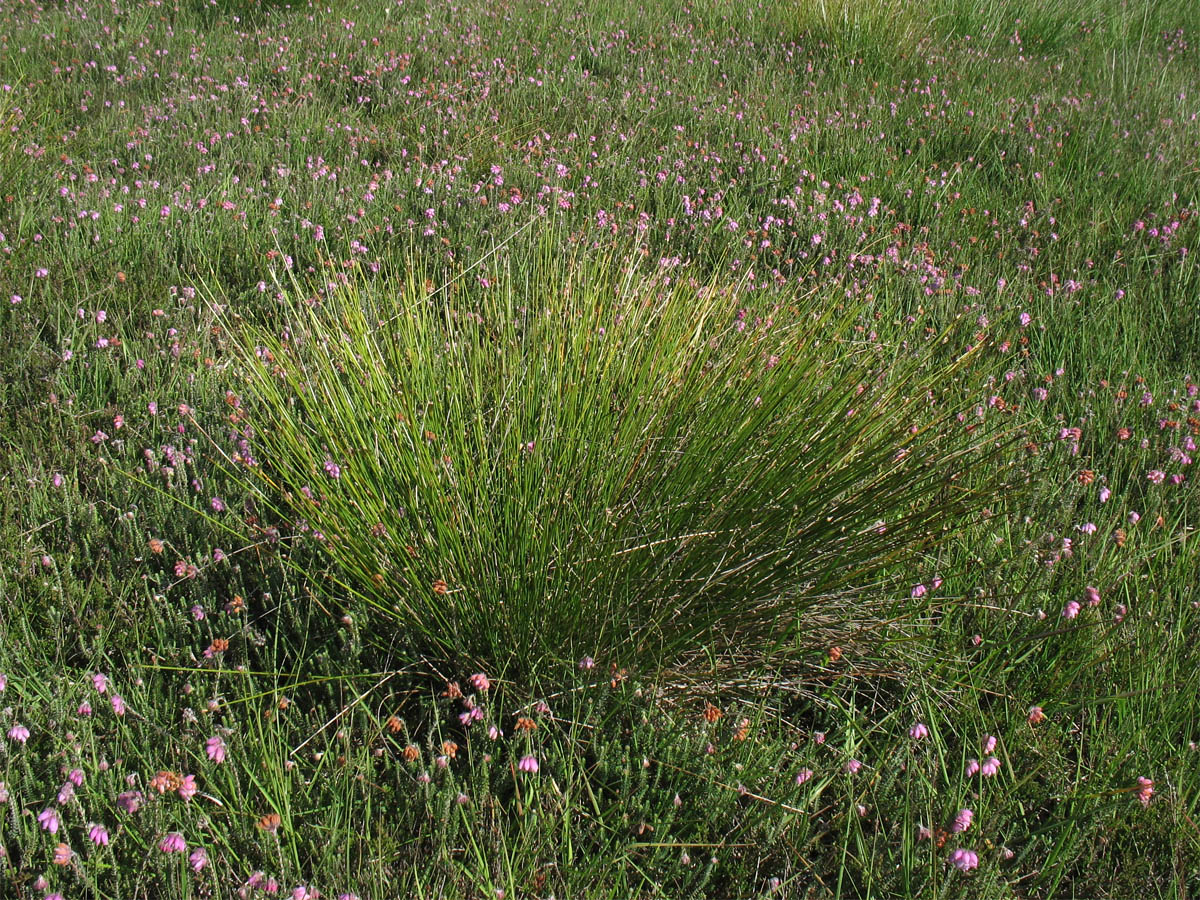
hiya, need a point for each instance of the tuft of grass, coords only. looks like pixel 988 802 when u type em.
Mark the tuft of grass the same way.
pixel 581 458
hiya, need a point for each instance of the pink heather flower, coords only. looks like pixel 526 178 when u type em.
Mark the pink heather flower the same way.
pixel 1105 493
pixel 3 792
pixel 494 733
pixel 188 789
pixel 962 821
pixel 118 704
pixel 98 835
pixel 301 892
pixel 18 733
pixel 1088 527
pixel 964 860
pixel 990 767
pixel 918 731
pixel 1092 595
pixel 130 801
pixel 75 776
pixel 1036 715
pixel 972 767
pixel 1026 318
pixel 85 708
pixel 215 747
pixel 48 819
pixel 172 842
pixel 852 766
pixel 803 775
pixel 1145 790
pixel 100 682
pixel 480 682
pixel 65 793
pixel 587 663
pixel 3 682
pixel 198 859
pixel 1119 616
pixel 1071 610
pixel 1134 517
pixel 819 737
pixel 528 764
pixel 989 743
pixel 918 590
pixel 1156 476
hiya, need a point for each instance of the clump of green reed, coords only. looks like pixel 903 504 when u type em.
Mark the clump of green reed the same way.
pixel 575 458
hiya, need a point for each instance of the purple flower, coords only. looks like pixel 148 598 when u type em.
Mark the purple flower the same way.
pixel 188 788
pixel 803 775
pixel 98 835
pixel 853 766
pixel 990 767
pixel 198 859
pixel 172 842
pixel 100 682
pixel 962 821
pixel 19 733
pixel 528 764
pixel 964 860
pixel 215 747
pixel 48 819
pixel 118 704
pixel 3 682
pixel 130 801
pixel 480 681
pixel 918 731
pixel 1092 595
pixel 1071 610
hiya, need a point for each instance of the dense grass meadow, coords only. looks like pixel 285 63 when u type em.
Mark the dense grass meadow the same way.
pixel 511 449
